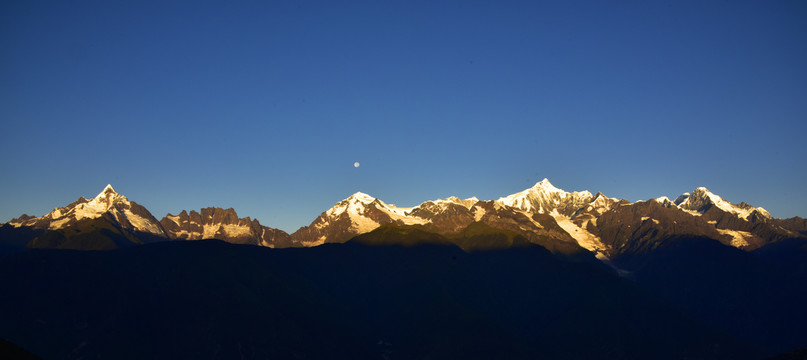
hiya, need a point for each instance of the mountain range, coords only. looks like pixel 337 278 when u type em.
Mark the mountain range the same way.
pixel 542 273
pixel 561 221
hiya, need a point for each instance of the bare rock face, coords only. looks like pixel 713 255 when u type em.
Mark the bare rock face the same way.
pixel 564 221
pixel 543 214
pixel 221 224
pixel 361 213
pixel 445 217
pixel 358 214
pixel 639 227
pixel 794 225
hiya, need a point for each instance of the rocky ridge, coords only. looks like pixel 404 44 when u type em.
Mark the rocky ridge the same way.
pixel 544 214
pixel 222 224
pixel 128 214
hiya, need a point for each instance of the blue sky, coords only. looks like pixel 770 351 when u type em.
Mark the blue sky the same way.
pixel 264 106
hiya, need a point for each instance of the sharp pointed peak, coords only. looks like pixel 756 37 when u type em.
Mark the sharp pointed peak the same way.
pixel 108 189
pixel 546 186
pixel 543 182
pixel 703 192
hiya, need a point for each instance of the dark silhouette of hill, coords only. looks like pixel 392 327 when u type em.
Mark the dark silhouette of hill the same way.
pixel 476 236
pixel 102 233
pixel 799 354
pixel 788 255
pixel 11 351
pixel 13 239
pixel 758 297
pixel 203 299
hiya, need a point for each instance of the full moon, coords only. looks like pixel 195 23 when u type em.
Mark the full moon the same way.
pixel 356 164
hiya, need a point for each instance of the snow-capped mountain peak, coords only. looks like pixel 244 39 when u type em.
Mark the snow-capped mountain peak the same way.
pixel 702 198
pixel 546 185
pixel 107 190
pixel 128 214
pixel 663 200
pixel 467 203
pixel 681 198
pixel 361 197
pixel 355 203
pixel 763 212
pixel 577 215
pixel 108 194
pixel 103 202
pixel 543 197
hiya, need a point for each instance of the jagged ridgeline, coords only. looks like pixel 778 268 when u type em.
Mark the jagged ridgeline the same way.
pixel 563 222
pixel 542 273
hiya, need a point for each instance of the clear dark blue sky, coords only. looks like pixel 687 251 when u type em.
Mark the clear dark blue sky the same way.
pixel 264 106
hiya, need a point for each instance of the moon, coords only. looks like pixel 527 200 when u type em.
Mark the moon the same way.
pixel 356 164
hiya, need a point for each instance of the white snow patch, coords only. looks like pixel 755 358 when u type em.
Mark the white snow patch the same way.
pixel 337 210
pixel 90 210
pixel 645 218
pixel 695 200
pixel 542 193
pixel 58 223
pixel 312 243
pixel 361 224
pixel 362 197
pixel 537 224
pixel 175 219
pixel 479 212
pixel 189 235
pixel 692 212
pixel 467 203
pixel 740 238
pixel 236 230
pixel 584 238
pixel 400 214
pixel 764 212
pixel 209 231
pixel 322 224
pixel 141 223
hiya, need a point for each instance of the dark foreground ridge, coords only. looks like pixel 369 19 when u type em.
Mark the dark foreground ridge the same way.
pixel 208 298
pixel 402 292
pixel 12 351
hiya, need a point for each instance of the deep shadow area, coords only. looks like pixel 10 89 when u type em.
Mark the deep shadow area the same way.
pixel 210 299
pixel 758 297
pixel 102 233
pixel 14 239
pixel 12 351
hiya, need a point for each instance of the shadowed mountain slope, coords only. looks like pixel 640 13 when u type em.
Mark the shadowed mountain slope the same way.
pixel 757 297
pixel 203 299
